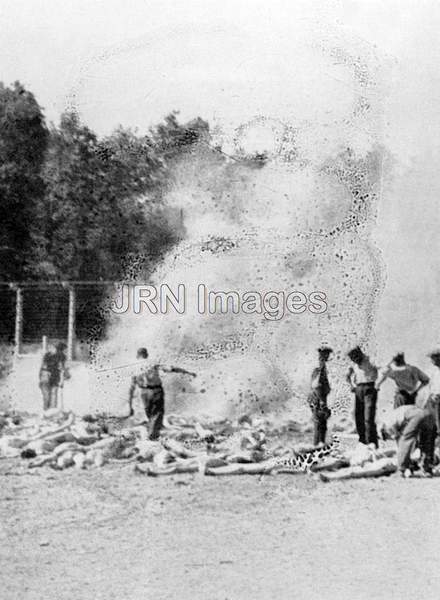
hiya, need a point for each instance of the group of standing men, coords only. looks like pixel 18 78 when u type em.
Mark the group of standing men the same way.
pixel 408 423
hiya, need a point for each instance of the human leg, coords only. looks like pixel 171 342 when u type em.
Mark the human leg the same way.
pixel 427 435
pixel 359 413
pixel 45 391
pixel 153 399
pixel 408 439
pixel 370 402
pixel 53 396
pixel 322 428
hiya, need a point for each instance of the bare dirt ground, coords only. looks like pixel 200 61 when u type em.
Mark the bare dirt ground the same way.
pixel 112 534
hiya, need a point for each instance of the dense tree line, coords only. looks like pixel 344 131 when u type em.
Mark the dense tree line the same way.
pixel 74 206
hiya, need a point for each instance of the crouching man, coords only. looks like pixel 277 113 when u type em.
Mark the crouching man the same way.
pixel 320 389
pixel 149 383
pixel 411 426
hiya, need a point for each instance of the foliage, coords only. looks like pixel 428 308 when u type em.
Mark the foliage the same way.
pixel 23 142
pixel 76 207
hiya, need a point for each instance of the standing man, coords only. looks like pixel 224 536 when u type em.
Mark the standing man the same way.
pixel 151 390
pixel 320 389
pixel 408 379
pixel 411 426
pixel 361 378
pixel 433 403
pixel 52 374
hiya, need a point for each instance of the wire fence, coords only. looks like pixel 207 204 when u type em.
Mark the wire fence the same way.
pixel 58 311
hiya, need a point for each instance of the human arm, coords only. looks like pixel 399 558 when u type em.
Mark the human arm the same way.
pixel 62 368
pixel 171 369
pixel 388 429
pixel 383 375
pixel 315 379
pixel 65 369
pixel 393 423
pixel 44 365
pixel 131 391
pixel 349 378
pixel 423 379
pixel 384 434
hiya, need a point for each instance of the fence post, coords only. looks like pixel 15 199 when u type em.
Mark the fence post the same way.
pixel 44 344
pixel 18 318
pixel 71 322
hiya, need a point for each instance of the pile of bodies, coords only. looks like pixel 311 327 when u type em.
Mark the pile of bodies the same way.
pixel 250 445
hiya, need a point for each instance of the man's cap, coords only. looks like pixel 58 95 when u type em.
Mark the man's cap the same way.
pixel 142 351
pixel 434 352
pixel 355 352
pixel 325 350
pixel 398 355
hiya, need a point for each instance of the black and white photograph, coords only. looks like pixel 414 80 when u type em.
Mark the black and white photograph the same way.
pixel 219 299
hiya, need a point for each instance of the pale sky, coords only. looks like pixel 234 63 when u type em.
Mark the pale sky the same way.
pixel 131 62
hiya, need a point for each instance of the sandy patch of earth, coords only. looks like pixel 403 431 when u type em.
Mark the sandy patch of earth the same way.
pixel 111 534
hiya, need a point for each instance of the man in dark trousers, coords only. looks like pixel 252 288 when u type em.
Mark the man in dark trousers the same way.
pixel 411 426
pixel 408 379
pixel 52 374
pixel 318 396
pixel 151 391
pixel 362 377
pixel 433 403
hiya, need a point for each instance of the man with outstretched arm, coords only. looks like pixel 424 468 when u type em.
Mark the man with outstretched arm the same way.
pixel 408 379
pixel 149 383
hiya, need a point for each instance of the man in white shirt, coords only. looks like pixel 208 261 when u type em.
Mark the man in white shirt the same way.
pixel 411 426
pixel 408 379
pixel 433 403
pixel 362 376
